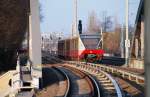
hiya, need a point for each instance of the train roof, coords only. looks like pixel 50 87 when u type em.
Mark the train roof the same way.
pixel 69 38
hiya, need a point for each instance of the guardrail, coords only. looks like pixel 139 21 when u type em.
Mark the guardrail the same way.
pixel 122 73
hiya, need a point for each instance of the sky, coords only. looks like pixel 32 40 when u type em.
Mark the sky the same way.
pixel 58 14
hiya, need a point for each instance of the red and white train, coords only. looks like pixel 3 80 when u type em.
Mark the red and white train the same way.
pixel 81 48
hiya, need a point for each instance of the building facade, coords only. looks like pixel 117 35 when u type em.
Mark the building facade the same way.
pixel 50 41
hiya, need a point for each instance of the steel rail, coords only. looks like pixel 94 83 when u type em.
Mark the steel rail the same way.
pixel 117 88
pixel 91 80
pixel 115 84
pixel 96 85
pixel 68 81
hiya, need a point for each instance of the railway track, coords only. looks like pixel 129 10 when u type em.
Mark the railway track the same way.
pixel 106 85
pixel 131 85
pixel 79 83
pixel 130 89
pixel 67 82
pixel 109 87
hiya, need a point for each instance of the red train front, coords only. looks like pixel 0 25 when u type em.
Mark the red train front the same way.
pixel 92 55
pixel 80 48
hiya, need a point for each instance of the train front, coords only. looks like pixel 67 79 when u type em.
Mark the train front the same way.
pixel 91 52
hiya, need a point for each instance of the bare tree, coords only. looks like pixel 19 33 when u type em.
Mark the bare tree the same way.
pixel 93 23
pixel 112 40
pixel 107 22
pixel 111 36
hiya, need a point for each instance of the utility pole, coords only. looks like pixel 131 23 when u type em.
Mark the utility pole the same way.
pixel 75 31
pixel 127 41
pixel 102 37
pixel 122 42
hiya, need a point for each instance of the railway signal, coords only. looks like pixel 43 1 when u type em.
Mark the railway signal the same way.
pixel 80 27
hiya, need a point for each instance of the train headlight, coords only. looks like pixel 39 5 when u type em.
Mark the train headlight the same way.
pixel 91 51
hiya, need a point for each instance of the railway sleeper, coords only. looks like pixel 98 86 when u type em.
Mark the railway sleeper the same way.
pixel 107 84
pixel 104 81
pixel 100 76
pixel 109 93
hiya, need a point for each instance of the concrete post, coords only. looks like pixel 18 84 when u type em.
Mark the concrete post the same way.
pixel 35 42
pixel 136 48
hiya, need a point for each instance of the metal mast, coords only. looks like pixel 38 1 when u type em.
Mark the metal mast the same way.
pixel 75 31
pixel 102 36
pixel 127 41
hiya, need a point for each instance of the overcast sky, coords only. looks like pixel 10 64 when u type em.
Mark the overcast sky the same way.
pixel 58 14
